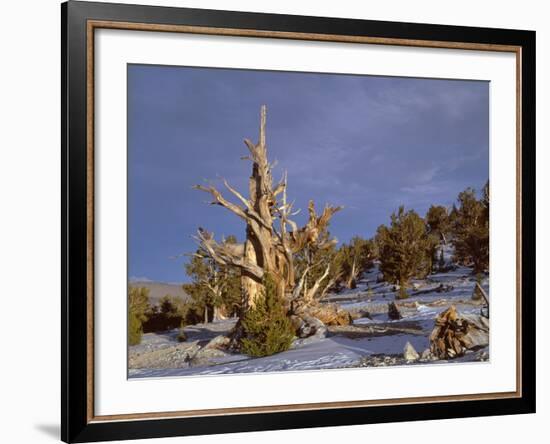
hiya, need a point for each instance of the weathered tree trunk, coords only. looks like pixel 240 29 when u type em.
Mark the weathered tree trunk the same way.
pixel 259 248
pixel 218 314
pixel 352 278
pixel 251 285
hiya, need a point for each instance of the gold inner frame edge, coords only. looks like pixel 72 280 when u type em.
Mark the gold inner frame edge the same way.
pixel 92 25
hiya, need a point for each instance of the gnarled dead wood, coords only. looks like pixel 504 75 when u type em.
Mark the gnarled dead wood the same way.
pixel 330 314
pixel 455 333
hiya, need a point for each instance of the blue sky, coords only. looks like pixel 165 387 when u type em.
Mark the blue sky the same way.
pixel 365 142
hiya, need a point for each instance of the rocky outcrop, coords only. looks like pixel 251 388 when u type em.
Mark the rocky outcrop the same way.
pixel 178 356
pixel 205 355
pixel 219 342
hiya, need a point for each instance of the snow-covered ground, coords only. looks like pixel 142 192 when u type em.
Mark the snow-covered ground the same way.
pixel 331 352
pixel 372 334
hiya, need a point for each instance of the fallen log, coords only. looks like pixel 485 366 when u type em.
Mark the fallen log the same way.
pixel 455 333
pixel 482 293
pixel 329 314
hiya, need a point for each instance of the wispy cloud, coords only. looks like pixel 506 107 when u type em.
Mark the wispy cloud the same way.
pixel 368 143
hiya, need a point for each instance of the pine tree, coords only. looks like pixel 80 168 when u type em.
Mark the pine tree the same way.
pixel 135 329
pixel 314 258
pixel 215 289
pixel 404 249
pixel 266 328
pixel 437 221
pixel 353 259
pixel 471 230
pixel 138 306
pixel 402 292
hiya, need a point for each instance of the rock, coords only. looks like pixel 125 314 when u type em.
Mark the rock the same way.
pixel 482 356
pixel 312 327
pixel 177 356
pixel 182 337
pixel 409 353
pixel 296 322
pixel 190 351
pixel 444 288
pixel 364 314
pixel 427 355
pixel 455 333
pixel 205 355
pixel 361 314
pixel 393 312
pixel 218 342
pixel 416 286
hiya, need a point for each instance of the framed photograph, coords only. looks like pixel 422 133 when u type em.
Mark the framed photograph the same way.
pixel 276 221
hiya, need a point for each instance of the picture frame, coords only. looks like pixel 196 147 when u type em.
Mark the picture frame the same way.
pixel 80 21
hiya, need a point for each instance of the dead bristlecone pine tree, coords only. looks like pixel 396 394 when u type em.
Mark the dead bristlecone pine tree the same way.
pixel 272 237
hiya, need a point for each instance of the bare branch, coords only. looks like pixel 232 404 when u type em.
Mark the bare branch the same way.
pixel 331 282
pixel 227 254
pixel 220 200
pixel 313 290
pixel 483 293
pixel 252 148
pixel 279 188
pixel 298 288
pixel 238 195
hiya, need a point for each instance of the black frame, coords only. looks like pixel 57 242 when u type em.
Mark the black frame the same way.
pixel 74 423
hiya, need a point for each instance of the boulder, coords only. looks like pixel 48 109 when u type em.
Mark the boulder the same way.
pixel 177 356
pixel 312 327
pixel 219 342
pixel 427 355
pixel 455 333
pixel 409 353
pixel 361 314
pixel 205 355
pixel 444 288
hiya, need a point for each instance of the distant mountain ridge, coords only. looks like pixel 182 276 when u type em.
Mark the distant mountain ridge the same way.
pixel 157 290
